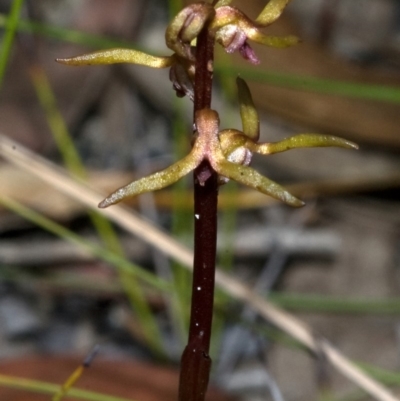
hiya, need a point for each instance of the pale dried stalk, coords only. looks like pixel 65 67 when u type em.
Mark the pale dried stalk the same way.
pixel 132 222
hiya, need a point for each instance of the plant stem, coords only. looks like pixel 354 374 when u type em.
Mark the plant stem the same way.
pixel 196 362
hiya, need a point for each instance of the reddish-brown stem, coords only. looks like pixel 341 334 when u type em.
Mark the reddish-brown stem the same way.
pixel 196 362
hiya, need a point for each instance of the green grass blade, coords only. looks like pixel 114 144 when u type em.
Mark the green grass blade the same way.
pixel 35 386
pixel 125 269
pixel 66 35
pixel 305 83
pixel 355 90
pixel 10 25
pixel 385 376
pixel 56 122
pixel 65 281
pixel 96 250
pixel 104 228
pixel 66 147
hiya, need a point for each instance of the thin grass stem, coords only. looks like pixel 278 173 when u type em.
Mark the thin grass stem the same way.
pixel 94 249
pixel 36 386
pixel 103 227
pixel 11 26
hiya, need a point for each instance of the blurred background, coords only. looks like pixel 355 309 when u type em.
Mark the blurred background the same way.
pixel 66 281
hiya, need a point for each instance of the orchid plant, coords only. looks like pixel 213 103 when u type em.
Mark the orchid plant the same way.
pixel 217 156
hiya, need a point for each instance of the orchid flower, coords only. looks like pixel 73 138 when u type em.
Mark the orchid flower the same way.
pixel 179 34
pixel 233 29
pixel 229 26
pixel 229 153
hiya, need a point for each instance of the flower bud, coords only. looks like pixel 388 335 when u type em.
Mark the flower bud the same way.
pixel 186 26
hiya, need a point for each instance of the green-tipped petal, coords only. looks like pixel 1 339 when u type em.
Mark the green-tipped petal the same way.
pixel 302 141
pixel 280 42
pixel 114 56
pixel 155 181
pixel 271 12
pixel 250 177
pixel 248 112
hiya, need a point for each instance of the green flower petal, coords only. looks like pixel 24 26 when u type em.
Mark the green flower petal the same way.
pixel 271 12
pixel 156 181
pixel 248 112
pixel 253 179
pixel 114 56
pixel 301 141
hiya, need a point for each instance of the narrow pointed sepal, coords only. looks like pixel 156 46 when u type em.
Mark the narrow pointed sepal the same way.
pixel 252 178
pixel 248 112
pixel 115 56
pixel 155 181
pixel 271 12
pixel 301 141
